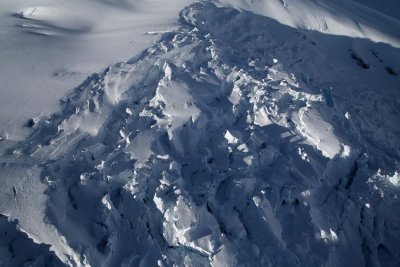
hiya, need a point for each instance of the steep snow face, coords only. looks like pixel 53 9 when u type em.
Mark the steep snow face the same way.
pixel 340 17
pixel 234 140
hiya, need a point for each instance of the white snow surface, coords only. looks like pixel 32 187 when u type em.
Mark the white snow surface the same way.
pixel 246 133
pixel 50 46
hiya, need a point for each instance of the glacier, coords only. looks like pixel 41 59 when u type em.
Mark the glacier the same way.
pixel 236 139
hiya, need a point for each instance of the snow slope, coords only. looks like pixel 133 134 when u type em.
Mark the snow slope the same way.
pixel 340 17
pixel 50 46
pixel 388 7
pixel 237 139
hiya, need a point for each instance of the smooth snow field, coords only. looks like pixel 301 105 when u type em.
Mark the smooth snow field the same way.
pixel 199 133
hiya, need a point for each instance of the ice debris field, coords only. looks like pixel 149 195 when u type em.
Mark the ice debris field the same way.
pixel 239 133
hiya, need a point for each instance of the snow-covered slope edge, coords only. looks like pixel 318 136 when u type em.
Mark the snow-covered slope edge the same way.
pixel 235 140
pixel 340 17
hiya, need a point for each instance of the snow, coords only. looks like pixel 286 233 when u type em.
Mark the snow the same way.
pixel 50 47
pixel 230 138
pixel 319 133
pixel 345 18
pixel 229 133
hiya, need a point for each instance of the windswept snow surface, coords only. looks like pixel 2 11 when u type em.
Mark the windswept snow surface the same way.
pixel 237 139
pixel 50 46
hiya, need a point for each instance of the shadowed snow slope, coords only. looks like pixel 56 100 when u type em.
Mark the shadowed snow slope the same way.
pixel 234 140
pixel 338 17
